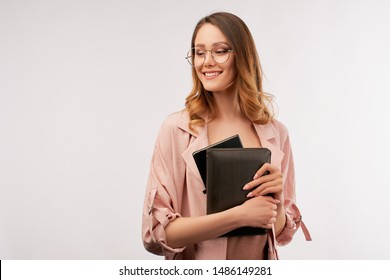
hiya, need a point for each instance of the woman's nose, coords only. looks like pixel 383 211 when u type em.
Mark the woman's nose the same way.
pixel 208 59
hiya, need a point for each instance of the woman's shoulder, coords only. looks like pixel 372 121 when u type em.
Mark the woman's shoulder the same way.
pixel 174 132
pixel 280 126
pixel 176 123
pixel 276 132
pixel 274 127
pixel 176 120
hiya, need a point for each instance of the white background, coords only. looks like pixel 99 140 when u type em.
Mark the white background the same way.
pixel 85 86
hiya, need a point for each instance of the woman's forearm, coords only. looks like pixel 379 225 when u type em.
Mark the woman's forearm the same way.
pixel 184 231
pixel 280 220
pixel 255 212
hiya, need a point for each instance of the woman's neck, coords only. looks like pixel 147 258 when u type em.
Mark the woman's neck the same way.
pixel 227 105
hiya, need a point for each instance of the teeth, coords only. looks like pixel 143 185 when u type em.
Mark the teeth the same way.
pixel 212 74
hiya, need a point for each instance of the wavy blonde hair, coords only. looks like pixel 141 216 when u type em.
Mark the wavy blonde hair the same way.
pixel 252 99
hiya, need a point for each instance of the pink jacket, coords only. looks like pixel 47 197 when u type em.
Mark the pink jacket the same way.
pixel 175 187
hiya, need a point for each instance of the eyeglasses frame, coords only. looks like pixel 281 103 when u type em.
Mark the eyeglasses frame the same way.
pixel 204 59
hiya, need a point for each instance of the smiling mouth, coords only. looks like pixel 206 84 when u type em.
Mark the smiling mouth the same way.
pixel 211 75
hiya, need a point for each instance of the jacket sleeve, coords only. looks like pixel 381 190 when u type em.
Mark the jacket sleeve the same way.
pixel 161 198
pixel 293 215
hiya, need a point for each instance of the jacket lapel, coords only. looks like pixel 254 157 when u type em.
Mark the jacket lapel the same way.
pixel 268 137
pixel 198 141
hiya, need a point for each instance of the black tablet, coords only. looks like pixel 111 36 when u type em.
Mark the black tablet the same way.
pixel 200 155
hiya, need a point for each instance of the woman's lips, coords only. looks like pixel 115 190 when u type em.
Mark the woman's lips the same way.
pixel 211 75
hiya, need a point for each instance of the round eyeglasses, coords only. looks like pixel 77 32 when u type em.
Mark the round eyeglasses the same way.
pixel 197 56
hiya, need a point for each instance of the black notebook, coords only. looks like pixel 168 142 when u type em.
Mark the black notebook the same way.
pixel 228 170
pixel 200 155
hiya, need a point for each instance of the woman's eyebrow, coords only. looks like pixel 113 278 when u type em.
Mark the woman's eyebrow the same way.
pixel 214 44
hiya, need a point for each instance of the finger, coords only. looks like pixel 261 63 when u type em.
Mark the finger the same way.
pixel 268 184
pixel 266 178
pixel 269 199
pixel 268 226
pixel 267 188
pixel 258 181
pixel 271 223
pixel 269 179
pixel 266 167
pixel 270 191
pixel 261 171
pixel 263 179
pixel 266 192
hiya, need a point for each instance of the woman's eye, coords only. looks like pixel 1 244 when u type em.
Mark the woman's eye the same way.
pixel 199 53
pixel 220 51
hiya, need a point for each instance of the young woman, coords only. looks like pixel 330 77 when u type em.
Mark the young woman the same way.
pixel 227 98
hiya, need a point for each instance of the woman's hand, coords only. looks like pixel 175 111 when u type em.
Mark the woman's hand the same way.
pixel 260 211
pixel 271 183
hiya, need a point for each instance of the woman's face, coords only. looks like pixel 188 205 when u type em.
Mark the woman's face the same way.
pixel 214 76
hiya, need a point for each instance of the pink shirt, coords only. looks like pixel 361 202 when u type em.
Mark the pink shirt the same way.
pixel 175 188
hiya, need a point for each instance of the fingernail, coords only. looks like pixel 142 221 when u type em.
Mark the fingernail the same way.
pixel 245 187
pixel 256 176
pixel 249 194
pixel 277 201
